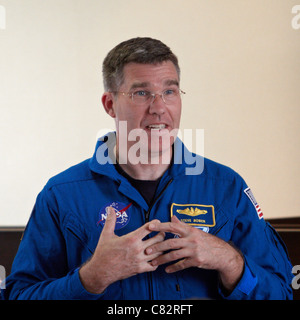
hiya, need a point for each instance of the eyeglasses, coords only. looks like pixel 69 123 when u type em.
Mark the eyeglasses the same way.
pixel 143 97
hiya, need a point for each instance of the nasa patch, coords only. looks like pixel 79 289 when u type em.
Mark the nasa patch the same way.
pixel 121 210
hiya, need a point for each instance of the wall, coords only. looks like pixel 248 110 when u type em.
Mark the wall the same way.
pixel 240 64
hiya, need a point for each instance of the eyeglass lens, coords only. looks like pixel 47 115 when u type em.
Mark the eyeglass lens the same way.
pixel 168 96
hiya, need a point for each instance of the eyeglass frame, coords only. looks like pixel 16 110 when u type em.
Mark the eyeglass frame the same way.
pixel 131 95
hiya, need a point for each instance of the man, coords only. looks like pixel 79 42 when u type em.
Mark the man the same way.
pixel 128 229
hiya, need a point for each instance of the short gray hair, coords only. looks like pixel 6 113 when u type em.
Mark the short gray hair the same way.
pixel 138 50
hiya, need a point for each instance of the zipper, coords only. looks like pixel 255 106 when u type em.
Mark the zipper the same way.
pixel 147 216
pixel 147 213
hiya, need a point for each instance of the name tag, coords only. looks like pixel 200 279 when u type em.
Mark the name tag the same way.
pixel 197 215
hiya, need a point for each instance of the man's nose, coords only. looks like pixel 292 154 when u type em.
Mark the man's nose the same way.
pixel 158 105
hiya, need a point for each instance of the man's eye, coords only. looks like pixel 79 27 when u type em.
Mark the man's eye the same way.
pixel 169 92
pixel 141 93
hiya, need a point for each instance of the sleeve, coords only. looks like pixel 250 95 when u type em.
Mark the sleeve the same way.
pixel 268 271
pixel 40 268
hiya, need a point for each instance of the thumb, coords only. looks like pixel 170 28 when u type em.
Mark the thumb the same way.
pixel 110 222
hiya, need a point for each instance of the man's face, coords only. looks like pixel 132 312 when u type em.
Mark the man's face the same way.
pixel 156 118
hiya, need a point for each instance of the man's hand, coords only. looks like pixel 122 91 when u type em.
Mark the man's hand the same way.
pixel 196 248
pixel 117 258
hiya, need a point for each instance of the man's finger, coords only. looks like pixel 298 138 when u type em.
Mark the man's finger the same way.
pixel 110 222
pixel 158 238
pixel 175 226
pixel 180 265
pixel 166 245
pixel 171 256
pixel 143 231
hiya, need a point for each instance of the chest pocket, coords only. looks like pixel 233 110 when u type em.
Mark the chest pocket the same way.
pixel 80 241
pixel 223 226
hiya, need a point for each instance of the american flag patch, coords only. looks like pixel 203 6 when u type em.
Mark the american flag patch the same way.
pixel 254 202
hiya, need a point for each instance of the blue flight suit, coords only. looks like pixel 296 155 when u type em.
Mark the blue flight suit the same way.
pixel 69 214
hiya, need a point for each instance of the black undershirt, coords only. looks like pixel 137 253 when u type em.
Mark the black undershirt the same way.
pixel 146 188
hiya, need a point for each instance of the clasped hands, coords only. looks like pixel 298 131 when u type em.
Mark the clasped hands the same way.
pixel 117 258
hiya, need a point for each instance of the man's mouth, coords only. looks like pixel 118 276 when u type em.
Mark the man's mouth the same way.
pixel 157 126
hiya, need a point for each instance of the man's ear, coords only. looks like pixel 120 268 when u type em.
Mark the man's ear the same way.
pixel 108 102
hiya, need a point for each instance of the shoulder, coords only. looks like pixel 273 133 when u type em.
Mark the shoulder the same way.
pixel 219 179
pixel 217 171
pixel 214 177
pixel 76 173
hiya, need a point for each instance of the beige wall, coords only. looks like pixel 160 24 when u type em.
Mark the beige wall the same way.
pixel 240 65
